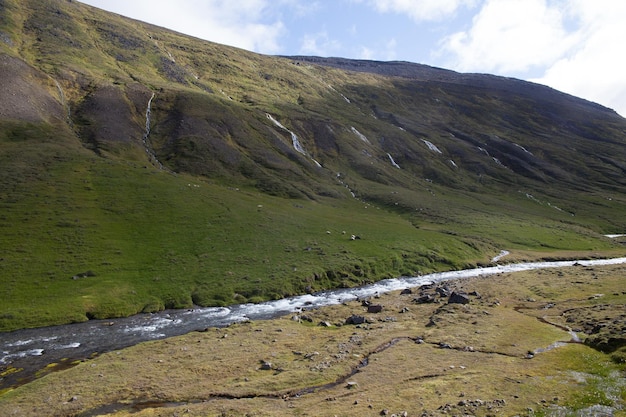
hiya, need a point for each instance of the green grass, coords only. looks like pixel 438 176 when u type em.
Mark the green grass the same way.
pixel 599 380
pixel 87 237
pixel 147 240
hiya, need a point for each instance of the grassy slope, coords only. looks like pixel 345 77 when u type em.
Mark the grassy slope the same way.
pixel 155 240
pixel 81 198
pixel 172 240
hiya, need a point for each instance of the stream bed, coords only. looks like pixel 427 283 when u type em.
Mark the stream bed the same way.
pixel 32 350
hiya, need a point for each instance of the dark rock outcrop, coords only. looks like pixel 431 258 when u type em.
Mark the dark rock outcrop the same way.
pixel 374 308
pixel 458 298
pixel 356 319
pixel 424 299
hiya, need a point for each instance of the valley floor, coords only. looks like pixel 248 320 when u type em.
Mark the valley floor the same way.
pixel 512 349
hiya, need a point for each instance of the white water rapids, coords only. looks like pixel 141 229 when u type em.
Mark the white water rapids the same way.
pixel 33 349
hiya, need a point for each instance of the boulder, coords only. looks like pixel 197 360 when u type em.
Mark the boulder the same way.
pixel 374 308
pixel 86 274
pixel 305 317
pixel 355 319
pixel 443 291
pixel 458 298
pixel 423 299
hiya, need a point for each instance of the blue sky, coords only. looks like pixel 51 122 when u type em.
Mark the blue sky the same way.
pixel 575 46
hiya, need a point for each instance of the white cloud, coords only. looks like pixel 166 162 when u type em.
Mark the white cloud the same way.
pixel 570 45
pixel 250 24
pixel 365 53
pixel 300 8
pixel 595 69
pixel 319 44
pixel 381 51
pixel 510 36
pixel 420 10
pixel 390 50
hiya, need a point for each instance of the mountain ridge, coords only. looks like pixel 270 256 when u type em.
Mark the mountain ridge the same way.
pixel 423 72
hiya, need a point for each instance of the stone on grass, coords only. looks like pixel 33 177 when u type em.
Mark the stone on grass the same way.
pixel 355 319
pixel 374 308
pixel 458 298
pixel 443 291
pixel 424 299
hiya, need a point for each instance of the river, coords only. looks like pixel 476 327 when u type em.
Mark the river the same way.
pixel 31 350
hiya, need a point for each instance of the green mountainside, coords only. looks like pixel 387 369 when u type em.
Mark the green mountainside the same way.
pixel 143 169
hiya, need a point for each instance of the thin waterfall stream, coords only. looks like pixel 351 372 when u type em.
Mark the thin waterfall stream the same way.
pixel 145 138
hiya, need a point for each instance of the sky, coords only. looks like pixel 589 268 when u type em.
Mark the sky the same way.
pixel 574 46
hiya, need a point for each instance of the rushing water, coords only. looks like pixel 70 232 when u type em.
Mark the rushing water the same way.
pixel 34 349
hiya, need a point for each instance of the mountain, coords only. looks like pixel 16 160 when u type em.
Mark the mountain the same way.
pixel 144 169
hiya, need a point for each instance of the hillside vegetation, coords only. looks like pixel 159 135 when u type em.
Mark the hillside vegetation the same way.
pixel 143 169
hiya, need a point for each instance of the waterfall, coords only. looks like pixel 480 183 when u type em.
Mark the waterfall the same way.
pixel 342 182
pixel 359 134
pixel 393 162
pixel 294 139
pixel 64 103
pixel 431 146
pixel 296 143
pixel 148 111
pixel 145 140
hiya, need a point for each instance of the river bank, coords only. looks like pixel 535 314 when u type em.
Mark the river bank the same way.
pixel 497 352
pixel 30 351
